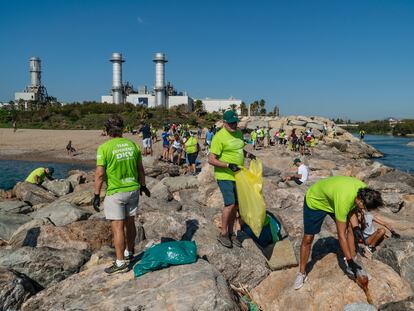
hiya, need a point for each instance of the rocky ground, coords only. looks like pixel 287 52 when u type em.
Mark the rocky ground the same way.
pixel 54 246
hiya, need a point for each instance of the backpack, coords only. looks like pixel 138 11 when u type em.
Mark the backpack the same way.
pixel 271 232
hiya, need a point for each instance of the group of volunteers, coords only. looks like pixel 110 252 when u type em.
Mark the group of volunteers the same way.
pixel 347 200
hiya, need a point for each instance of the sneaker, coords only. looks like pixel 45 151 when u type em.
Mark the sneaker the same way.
pixel 129 258
pixel 370 249
pixel 235 240
pixel 114 269
pixel 300 280
pixel 224 240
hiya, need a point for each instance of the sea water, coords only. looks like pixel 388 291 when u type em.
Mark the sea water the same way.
pixel 12 171
pixel 397 153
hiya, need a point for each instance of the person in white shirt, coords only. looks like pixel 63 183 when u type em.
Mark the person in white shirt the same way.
pixel 302 174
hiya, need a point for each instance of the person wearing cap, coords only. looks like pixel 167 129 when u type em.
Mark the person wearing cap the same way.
pixel 340 197
pixel 227 156
pixel 302 173
pixel 191 147
pixel 119 162
pixel 39 175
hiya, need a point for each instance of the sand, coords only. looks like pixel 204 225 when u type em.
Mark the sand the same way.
pixel 50 145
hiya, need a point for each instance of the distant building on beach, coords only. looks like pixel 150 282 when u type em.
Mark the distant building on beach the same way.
pixel 212 105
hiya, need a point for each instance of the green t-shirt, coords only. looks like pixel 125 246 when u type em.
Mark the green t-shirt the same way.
pixel 334 195
pixel 228 147
pixel 37 172
pixel 253 135
pixel 120 157
pixel 191 145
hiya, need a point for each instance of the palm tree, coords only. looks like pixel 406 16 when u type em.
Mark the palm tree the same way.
pixel 262 107
pixel 243 109
pixel 233 107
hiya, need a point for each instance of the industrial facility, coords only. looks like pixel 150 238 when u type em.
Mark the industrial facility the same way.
pixel 35 91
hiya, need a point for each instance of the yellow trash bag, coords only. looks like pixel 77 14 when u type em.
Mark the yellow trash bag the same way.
pixel 252 208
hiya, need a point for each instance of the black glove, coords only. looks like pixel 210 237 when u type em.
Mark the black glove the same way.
pixel 395 235
pixel 358 235
pixel 144 189
pixel 234 167
pixel 96 202
pixel 251 156
pixel 354 266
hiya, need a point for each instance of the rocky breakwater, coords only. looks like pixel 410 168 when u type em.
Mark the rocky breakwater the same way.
pixel 53 252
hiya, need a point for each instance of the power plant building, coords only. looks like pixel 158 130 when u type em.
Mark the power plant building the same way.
pixel 212 105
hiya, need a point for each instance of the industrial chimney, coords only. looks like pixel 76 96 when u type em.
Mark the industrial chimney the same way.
pixel 117 91
pixel 160 60
pixel 35 72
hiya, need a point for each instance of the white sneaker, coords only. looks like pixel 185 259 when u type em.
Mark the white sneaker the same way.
pixel 300 280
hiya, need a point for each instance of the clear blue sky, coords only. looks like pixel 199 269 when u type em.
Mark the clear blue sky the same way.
pixel 350 59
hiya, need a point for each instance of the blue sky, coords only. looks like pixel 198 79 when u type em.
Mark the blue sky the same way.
pixel 350 59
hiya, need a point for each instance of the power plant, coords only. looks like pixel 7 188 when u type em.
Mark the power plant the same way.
pixel 159 88
pixel 35 91
pixel 117 90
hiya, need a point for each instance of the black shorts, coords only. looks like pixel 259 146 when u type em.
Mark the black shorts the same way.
pixel 192 157
pixel 313 219
pixel 297 180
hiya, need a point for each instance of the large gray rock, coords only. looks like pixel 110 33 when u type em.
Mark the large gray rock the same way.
pixel 180 183
pixel 15 288
pixel 81 197
pixel 399 255
pixel 297 122
pixel 402 305
pixel 45 265
pixel 58 187
pixel 61 213
pixel 198 286
pixel 15 206
pixel 154 167
pixel 314 125
pixel 33 194
pixel 9 223
pixel 359 306
pixel 28 233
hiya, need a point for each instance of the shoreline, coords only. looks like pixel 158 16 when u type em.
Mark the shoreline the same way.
pixel 44 158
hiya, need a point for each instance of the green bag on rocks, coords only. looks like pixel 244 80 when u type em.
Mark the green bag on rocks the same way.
pixel 166 254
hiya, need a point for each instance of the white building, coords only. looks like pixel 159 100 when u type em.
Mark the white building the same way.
pixel 211 105
pixel 148 100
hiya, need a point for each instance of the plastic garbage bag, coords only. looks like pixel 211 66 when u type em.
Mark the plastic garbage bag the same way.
pixel 166 254
pixel 252 208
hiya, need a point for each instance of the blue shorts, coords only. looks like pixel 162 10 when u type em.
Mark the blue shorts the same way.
pixel 228 190
pixel 313 219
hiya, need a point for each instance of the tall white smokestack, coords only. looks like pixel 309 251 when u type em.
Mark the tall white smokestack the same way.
pixel 160 60
pixel 117 93
pixel 35 72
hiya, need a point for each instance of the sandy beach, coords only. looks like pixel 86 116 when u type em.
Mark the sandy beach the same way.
pixel 50 145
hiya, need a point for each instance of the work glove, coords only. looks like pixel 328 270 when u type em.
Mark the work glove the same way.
pixel 251 156
pixel 359 238
pixel 234 167
pixel 96 202
pixel 395 235
pixel 355 268
pixel 144 189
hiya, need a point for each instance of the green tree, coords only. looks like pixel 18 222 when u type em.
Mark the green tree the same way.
pixel 243 109
pixel 233 107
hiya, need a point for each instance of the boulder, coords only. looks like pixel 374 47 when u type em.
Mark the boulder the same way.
pixel 154 167
pixel 314 125
pixel 81 197
pixel 76 179
pixel 399 255
pixel 61 213
pixel 198 286
pixel 27 234
pixel 58 187
pixel 15 288
pixel 9 223
pixel 81 235
pixel 15 206
pixel 297 122
pixel 403 305
pixel 33 194
pixel 47 266
pixel 281 255
pixel 180 183
pixel 360 306
pixel 328 288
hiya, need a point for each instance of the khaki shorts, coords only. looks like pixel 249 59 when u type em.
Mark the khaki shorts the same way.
pixel 121 205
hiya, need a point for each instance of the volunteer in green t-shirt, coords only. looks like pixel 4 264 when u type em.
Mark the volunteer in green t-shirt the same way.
pixel 227 155
pixel 38 175
pixel 120 160
pixel 191 148
pixel 339 197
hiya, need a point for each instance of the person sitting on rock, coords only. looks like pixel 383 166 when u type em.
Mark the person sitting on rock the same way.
pixel 119 162
pixel 176 147
pixel 302 173
pixel 227 156
pixel 371 237
pixel 339 197
pixel 39 175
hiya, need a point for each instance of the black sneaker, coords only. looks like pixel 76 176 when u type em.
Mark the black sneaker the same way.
pixel 370 249
pixel 224 240
pixel 235 240
pixel 129 258
pixel 114 269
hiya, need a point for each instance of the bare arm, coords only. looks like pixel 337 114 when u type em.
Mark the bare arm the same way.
pixel 141 173
pixel 37 179
pixel 212 159
pixel 99 178
pixel 382 222
pixel 341 228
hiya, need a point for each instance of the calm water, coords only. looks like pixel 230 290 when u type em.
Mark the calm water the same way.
pixel 13 171
pixel 396 152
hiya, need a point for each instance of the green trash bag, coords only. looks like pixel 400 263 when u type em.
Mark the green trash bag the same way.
pixel 166 254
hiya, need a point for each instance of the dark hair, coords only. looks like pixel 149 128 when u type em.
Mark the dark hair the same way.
pixel 371 198
pixel 114 126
